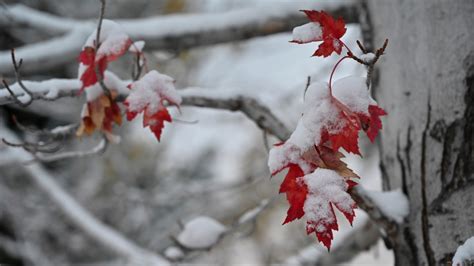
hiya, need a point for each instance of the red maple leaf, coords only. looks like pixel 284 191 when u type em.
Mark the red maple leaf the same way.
pixel 295 191
pixel 113 43
pixel 372 124
pixel 89 76
pixel 100 113
pixel 332 32
pixel 327 189
pixel 149 95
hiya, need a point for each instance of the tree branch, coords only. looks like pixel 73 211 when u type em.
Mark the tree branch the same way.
pixel 94 228
pixel 199 97
pixel 171 32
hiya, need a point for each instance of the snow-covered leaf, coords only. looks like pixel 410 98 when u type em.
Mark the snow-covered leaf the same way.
pixel 113 43
pixel 326 189
pixel 324 28
pixel 149 95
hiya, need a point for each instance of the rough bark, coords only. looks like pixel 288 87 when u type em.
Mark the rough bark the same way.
pixel 426 83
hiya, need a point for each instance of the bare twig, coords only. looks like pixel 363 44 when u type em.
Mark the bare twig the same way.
pixel 369 63
pixel 33 148
pixel 26 92
pixel 98 149
pixel 16 67
pixel 308 82
pixel 99 75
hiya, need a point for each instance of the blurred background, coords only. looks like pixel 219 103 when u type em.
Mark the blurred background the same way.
pixel 208 163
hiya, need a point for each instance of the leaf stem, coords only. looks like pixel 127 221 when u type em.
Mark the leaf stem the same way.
pixel 332 73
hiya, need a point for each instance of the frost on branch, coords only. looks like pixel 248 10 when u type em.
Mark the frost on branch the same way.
pixel 464 253
pixel 321 28
pixel 113 43
pixel 150 95
pixel 200 233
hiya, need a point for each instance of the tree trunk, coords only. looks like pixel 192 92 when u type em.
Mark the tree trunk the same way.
pixel 426 83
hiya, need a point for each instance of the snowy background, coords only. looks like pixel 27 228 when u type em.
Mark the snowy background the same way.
pixel 209 163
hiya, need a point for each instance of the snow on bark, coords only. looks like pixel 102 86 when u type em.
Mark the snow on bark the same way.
pixel 201 232
pixel 393 204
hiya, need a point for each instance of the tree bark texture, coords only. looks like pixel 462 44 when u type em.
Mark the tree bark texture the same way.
pixel 426 84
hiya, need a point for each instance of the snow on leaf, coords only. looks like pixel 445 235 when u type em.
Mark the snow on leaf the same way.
pixel 149 95
pixel 326 190
pixel 200 233
pixel 324 28
pixel 113 43
pixel 309 32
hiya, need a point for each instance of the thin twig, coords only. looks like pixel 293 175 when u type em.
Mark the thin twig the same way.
pixel 308 82
pixel 98 149
pixel 99 75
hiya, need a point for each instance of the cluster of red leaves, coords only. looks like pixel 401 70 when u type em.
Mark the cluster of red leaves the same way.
pixel 325 154
pixel 296 190
pixel 332 32
pixel 102 111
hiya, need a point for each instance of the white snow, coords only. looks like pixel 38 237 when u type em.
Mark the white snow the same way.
pixel 253 213
pixel 112 82
pixel 113 40
pixel 150 91
pixel 324 187
pixel 368 57
pixel 464 253
pixel 201 232
pixel 352 91
pixel 173 253
pixel 137 47
pixel 393 204
pixel 308 32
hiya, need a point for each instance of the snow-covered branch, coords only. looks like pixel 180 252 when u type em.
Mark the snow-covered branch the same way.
pixel 199 97
pixel 99 148
pixel 171 32
pixel 97 230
